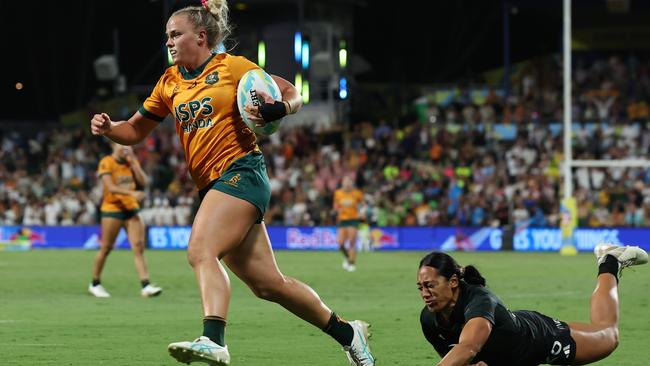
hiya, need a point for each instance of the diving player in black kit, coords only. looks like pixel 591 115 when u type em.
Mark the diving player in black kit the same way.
pixel 468 325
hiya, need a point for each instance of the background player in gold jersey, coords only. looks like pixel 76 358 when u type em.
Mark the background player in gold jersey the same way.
pixel 347 200
pixel 121 175
pixel 229 170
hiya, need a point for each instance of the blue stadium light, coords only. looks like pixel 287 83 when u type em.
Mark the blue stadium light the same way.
pixel 343 88
pixel 297 46
pixel 305 55
pixel 220 48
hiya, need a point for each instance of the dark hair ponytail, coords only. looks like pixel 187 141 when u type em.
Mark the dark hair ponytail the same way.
pixel 472 276
pixel 447 267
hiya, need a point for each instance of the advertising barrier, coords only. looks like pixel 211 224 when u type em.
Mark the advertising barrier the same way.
pixel 324 238
pixel 56 237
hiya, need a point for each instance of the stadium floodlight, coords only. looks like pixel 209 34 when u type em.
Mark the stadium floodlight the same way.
pixel 343 88
pixel 305 55
pixel 305 92
pixel 298 82
pixel 343 55
pixel 297 46
pixel 261 54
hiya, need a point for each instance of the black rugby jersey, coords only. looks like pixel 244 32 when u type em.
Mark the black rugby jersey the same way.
pixel 519 338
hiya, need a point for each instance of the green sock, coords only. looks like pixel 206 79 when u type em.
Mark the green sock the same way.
pixel 214 328
pixel 340 330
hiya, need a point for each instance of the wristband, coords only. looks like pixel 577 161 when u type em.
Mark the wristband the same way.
pixel 272 111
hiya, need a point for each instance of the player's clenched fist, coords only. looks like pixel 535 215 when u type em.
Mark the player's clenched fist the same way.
pixel 100 124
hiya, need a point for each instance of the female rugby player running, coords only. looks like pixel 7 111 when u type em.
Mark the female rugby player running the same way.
pixel 229 170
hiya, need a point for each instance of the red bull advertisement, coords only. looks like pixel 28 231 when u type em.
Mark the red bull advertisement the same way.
pixel 389 238
pixel 15 238
pixel 324 238
pixel 369 238
pixel 55 237
pixel 380 238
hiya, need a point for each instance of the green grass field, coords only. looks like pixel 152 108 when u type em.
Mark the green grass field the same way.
pixel 47 317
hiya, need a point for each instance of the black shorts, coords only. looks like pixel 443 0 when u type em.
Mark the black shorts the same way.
pixel 553 344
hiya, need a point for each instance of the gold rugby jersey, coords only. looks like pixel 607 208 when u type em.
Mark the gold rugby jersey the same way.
pixel 207 119
pixel 122 176
pixel 347 204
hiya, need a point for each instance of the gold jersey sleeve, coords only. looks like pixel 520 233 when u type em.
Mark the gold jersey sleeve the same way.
pixel 204 107
pixel 122 176
pixel 347 204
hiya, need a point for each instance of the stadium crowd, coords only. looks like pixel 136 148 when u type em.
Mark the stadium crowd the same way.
pixel 457 168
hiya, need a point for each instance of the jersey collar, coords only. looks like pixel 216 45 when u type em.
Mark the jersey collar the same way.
pixel 119 161
pixel 191 74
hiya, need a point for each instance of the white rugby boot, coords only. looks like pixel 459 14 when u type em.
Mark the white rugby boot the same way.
pixel 201 349
pixel 359 351
pixel 150 291
pixel 345 264
pixel 98 291
pixel 626 255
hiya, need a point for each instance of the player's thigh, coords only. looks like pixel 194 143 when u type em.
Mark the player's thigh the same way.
pixel 111 227
pixel 253 261
pixel 220 225
pixel 593 342
pixel 135 231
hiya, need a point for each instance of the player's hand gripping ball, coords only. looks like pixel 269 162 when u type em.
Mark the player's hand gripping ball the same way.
pixel 260 102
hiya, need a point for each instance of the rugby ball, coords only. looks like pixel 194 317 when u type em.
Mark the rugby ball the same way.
pixel 250 84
